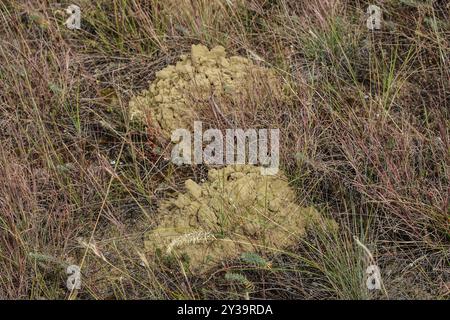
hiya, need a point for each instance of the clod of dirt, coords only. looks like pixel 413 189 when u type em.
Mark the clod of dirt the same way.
pixel 179 89
pixel 236 210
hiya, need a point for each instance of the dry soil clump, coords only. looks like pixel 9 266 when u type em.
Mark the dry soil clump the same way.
pixel 178 90
pixel 236 210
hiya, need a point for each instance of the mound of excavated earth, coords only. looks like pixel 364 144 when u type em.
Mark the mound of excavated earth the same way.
pixel 179 89
pixel 236 210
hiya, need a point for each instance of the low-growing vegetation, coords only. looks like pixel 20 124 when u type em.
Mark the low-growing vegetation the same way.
pixel 364 140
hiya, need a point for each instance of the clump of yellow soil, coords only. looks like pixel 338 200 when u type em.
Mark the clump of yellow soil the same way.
pixel 236 210
pixel 179 89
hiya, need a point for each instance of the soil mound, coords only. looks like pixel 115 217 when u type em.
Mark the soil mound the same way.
pixel 178 90
pixel 236 210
